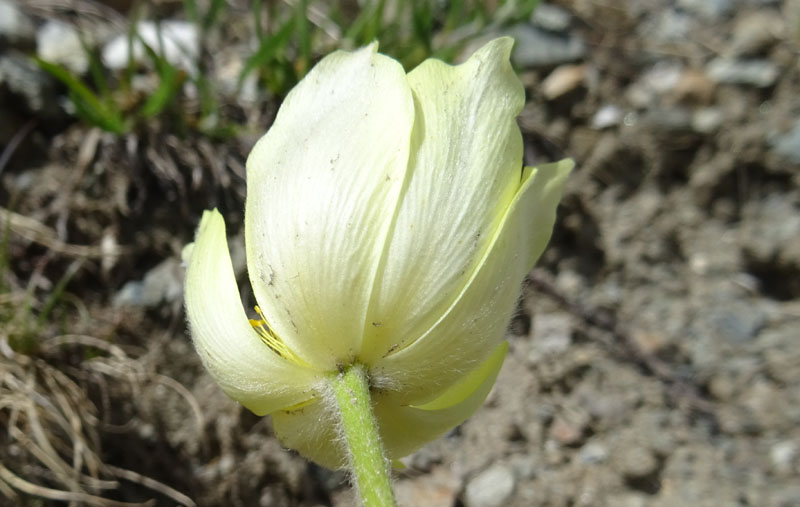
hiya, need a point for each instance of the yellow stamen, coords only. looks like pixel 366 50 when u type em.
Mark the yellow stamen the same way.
pixel 271 339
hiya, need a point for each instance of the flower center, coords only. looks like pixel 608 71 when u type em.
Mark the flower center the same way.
pixel 272 340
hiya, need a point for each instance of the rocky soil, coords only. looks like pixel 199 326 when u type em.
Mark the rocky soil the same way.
pixel 655 357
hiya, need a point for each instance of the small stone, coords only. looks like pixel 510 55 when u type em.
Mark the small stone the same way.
pixel 758 73
pixel 636 462
pixel 710 10
pixel 58 42
pixel 551 17
pixel 756 32
pixel 771 234
pixel 525 467
pixel 161 285
pixel 657 81
pixel 735 320
pixel 593 453
pixel 650 342
pixel 628 500
pixel 181 44
pixel 491 488
pixel 605 117
pixel 16 28
pixel 707 120
pixel 783 455
pixel 554 454
pixel 670 25
pixel 439 487
pixel 787 145
pixel 722 386
pixel 537 48
pixel 563 80
pixel 566 432
pixel 551 335
pixel 767 406
pixel 668 120
pixel 693 87
pixel 426 458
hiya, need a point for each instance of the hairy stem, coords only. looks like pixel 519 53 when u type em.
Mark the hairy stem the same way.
pixel 368 465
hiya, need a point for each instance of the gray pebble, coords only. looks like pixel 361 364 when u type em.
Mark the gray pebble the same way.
pixel 551 17
pixel 536 48
pixel 491 488
pixel 162 284
pixel 607 116
pixel 58 42
pixel 16 28
pixel 756 32
pixel 709 10
pixel 593 453
pixel 668 26
pixel 758 73
pixel 783 455
pixel 735 320
pixel 787 145
pixel 707 120
pixel 668 120
pixel 636 462
pixel 177 41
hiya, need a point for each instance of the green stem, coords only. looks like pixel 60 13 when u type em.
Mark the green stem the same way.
pixel 368 465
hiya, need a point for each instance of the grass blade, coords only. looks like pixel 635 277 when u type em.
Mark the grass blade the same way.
pixel 266 51
pixel 87 104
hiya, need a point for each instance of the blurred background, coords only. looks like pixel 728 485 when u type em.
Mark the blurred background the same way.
pixel 655 355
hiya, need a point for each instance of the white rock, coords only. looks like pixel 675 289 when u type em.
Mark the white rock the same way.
pixel 15 26
pixel 181 44
pixel 759 73
pixel 491 488
pixel 707 120
pixel 593 453
pixel 552 334
pixel 551 17
pixel 59 42
pixel 607 116
pixel 783 455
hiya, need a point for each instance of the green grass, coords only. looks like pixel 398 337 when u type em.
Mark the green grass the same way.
pixel 289 43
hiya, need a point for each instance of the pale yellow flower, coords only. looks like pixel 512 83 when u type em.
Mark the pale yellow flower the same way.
pixel 389 221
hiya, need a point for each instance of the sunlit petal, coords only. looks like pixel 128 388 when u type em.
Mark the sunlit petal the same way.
pixel 465 169
pixel 475 323
pixel 405 429
pixel 241 363
pixel 321 193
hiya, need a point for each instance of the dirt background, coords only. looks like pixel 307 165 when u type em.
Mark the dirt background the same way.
pixel 654 359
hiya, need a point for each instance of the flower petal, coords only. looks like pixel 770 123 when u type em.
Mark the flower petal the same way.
pixel 311 429
pixel 322 189
pixel 476 321
pixel 464 170
pixel 243 365
pixel 405 429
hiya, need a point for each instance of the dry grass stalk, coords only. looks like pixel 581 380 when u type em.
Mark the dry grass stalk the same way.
pixel 50 447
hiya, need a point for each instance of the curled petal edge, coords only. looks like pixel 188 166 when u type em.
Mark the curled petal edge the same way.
pixel 245 367
pixel 475 322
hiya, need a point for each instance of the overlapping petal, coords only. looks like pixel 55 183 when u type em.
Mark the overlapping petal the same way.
pixel 311 430
pixel 475 323
pixel 465 167
pixel 243 365
pixel 322 188
pixel 407 428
